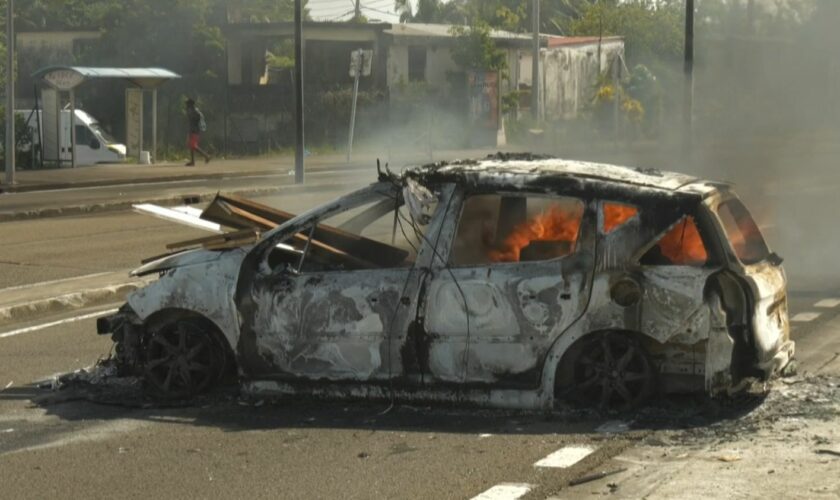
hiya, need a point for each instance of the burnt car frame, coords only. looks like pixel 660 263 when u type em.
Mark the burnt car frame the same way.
pixel 519 282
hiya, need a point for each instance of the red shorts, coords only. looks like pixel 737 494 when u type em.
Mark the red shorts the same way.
pixel 192 141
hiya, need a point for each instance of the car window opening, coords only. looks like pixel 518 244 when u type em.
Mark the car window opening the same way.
pixel 742 232
pixel 616 215
pixel 377 235
pixel 495 229
pixel 682 245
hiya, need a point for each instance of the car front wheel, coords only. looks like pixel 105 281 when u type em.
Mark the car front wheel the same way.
pixel 182 359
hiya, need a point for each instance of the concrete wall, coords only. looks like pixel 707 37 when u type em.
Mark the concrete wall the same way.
pixel 569 76
pixel 397 64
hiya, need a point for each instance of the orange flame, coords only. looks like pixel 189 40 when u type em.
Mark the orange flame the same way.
pixel 683 244
pixel 556 224
pixel 616 214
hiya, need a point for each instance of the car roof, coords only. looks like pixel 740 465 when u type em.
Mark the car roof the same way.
pixel 525 170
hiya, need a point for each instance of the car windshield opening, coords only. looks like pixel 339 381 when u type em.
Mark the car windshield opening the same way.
pixel 109 139
pixel 379 234
pixel 742 232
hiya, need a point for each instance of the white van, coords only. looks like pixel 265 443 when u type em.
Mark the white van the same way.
pixel 93 144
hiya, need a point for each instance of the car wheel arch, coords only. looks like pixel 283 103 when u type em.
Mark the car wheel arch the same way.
pixel 558 365
pixel 161 317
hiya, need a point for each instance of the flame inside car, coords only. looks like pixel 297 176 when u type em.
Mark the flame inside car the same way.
pixel 616 214
pixel 558 225
pixel 682 245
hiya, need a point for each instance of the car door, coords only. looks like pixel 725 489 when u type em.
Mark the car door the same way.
pixel 516 275
pixel 675 267
pixel 331 296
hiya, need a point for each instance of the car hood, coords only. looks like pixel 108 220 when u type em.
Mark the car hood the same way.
pixel 181 259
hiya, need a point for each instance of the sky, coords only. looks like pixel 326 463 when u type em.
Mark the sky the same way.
pixel 336 10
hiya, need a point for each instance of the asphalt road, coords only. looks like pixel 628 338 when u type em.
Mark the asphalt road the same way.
pixel 74 200
pixel 56 444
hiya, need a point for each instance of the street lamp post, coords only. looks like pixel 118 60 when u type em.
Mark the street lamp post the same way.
pixel 299 142
pixel 535 61
pixel 10 92
pixel 688 67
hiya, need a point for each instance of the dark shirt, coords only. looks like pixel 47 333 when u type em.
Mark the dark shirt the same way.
pixel 194 118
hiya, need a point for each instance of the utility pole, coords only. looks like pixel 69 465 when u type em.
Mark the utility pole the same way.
pixel 688 67
pixel 535 62
pixel 10 92
pixel 299 142
pixel 358 14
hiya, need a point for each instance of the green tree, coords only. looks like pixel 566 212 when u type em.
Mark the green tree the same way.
pixel 476 49
pixel 652 31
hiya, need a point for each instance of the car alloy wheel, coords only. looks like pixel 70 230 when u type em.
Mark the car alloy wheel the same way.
pixel 613 371
pixel 182 359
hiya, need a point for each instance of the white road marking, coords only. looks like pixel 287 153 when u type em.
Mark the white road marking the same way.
pixel 565 457
pixel 805 317
pixel 482 436
pixel 505 491
pixel 828 303
pixel 51 324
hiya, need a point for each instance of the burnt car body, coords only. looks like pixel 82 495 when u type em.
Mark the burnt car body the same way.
pixel 508 282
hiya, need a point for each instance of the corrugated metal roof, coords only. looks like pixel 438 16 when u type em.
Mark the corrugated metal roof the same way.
pixel 559 41
pixel 444 31
pixel 138 76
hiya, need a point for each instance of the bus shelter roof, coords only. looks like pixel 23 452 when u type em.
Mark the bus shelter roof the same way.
pixel 69 77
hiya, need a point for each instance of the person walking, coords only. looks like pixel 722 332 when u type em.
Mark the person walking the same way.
pixel 197 125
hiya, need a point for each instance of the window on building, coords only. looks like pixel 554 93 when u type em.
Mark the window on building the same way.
pixel 417 64
pixel 682 245
pixel 510 228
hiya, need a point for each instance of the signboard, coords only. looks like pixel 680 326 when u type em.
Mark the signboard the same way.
pixel 133 122
pixel 483 91
pixel 361 59
pixel 64 79
pixel 49 125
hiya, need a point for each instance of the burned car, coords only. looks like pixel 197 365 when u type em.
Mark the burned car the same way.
pixel 512 281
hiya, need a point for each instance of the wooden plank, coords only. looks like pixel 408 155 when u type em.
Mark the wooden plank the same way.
pixel 253 218
pixel 240 213
pixel 367 249
pixel 243 234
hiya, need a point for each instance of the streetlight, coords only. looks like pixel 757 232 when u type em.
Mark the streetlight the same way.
pixel 299 142
pixel 535 61
pixel 10 92
pixel 688 68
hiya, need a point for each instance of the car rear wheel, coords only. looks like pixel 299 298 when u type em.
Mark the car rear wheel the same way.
pixel 613 371
pixel 182 359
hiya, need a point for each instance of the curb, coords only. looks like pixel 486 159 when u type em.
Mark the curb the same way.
pixel 68 302
pixel 171 200
pixel 117 182
pixel 232 174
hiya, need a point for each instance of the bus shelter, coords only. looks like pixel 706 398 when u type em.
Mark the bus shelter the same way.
pixel 56 81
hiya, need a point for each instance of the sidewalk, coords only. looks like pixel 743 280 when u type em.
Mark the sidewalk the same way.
pixel 117 174
pixel 27 302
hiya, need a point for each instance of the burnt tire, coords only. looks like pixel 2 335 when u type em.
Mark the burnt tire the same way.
pixel 613 370
pixel 182 358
